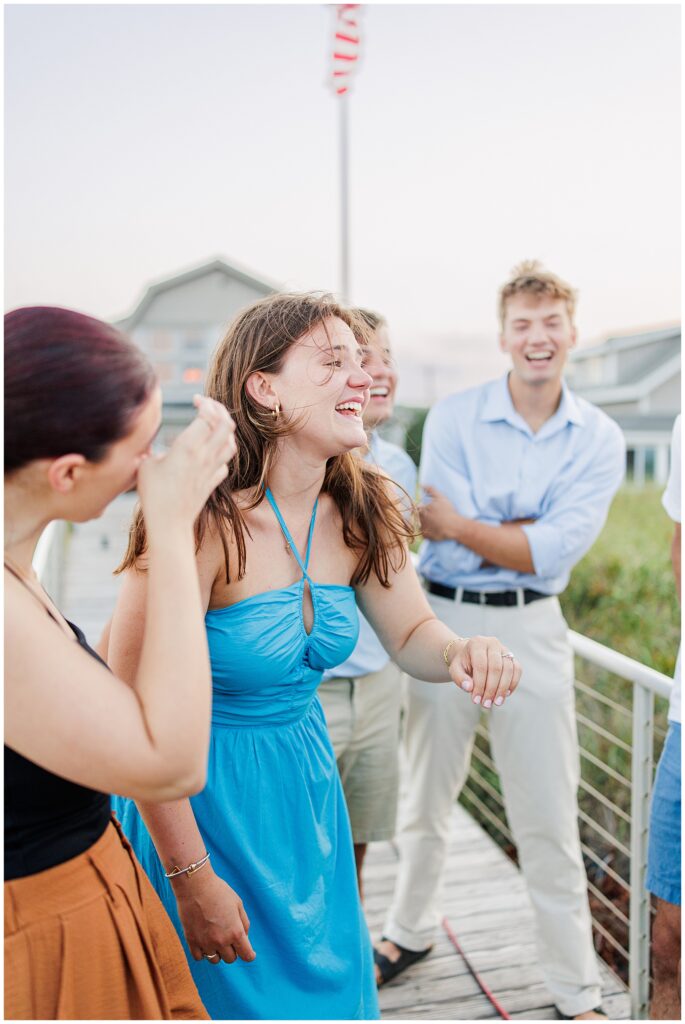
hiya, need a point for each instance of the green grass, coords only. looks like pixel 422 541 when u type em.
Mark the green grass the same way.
pixel 622 593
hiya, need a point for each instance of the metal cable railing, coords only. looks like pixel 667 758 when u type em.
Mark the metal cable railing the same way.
pixel 617 702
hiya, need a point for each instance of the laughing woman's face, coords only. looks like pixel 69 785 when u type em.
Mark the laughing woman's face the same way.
pixel 323 388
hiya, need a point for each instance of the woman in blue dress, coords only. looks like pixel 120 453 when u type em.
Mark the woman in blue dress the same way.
pixel 300 531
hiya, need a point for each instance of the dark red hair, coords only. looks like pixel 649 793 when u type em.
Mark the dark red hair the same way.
pixel 72 384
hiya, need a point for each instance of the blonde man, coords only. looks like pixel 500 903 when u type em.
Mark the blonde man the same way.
pixel 520 474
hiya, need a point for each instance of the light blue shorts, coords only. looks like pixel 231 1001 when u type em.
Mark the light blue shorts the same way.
pixel 663 861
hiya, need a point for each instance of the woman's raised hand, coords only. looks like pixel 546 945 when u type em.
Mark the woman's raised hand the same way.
pixel 486 670
pixel 178 483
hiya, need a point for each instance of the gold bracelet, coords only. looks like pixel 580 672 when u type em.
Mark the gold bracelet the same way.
pixel 453 641
pixel 190 870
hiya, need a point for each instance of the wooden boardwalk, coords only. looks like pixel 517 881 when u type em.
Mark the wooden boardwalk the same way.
pixel 487 906
pixel 485 897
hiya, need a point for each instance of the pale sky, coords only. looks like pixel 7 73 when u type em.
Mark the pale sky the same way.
pixel 143 140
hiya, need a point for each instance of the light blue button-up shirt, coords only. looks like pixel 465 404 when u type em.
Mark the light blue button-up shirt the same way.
pixel 479 452
pixel 369 654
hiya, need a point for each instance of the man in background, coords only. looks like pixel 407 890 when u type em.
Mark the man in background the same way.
pixel 520 473
pixel 361 697
pixel 663 862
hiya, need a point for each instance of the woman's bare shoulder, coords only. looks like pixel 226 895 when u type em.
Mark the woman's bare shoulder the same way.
pixel 219 540
pixel 35 643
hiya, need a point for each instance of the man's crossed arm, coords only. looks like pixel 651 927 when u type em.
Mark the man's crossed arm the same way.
pixel 505 545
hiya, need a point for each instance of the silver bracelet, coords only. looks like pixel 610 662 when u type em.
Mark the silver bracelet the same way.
pixel 190 870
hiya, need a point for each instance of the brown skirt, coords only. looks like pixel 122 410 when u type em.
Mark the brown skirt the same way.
pixel 90 939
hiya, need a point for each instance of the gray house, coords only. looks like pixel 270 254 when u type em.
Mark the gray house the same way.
pixel 636 380
pixel 179 321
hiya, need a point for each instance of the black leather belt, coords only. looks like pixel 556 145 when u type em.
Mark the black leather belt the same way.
pixel 500 599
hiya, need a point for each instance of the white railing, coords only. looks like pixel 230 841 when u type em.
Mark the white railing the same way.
pixel 49 559
pixel 646 685
pixel 616 730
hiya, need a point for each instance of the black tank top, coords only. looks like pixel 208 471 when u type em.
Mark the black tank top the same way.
pixel 47 818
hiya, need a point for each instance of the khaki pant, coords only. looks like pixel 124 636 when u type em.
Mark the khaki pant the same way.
pixel 363 718
pixel 535 745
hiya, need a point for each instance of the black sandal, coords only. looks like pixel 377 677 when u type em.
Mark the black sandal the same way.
pixel 595 1009
pixel 391 968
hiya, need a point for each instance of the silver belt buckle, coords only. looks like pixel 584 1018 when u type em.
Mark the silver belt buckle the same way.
pixel 481 597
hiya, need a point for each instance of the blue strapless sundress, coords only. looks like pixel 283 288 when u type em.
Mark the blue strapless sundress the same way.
pixel 273 814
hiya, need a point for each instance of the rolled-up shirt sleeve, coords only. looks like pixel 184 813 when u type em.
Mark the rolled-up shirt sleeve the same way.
pixel 576 508
pixel 672 496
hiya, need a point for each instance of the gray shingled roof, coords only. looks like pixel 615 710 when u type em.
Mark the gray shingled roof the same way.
pixel 167 283
pixel 649 421
pixel 623 342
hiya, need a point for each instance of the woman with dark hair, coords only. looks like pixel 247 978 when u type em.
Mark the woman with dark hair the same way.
pixel 300 530
pixel 85 934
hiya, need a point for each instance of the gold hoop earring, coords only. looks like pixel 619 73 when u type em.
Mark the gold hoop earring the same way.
pixel 276 411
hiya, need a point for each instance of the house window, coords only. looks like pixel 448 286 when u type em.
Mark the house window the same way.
pixel 168 435
pixel 640 465
pixel 193 375
pixel 164 371
pixel 194 343
pixel 595 371
pixel 650 463
pixel 161 341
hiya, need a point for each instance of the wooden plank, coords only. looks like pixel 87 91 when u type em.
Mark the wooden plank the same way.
pixel 528 1004
pixel 487 904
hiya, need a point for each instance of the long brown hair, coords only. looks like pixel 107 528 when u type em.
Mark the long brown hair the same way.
pixel 259 340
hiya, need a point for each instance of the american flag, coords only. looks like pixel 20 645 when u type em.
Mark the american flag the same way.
pixel 346 45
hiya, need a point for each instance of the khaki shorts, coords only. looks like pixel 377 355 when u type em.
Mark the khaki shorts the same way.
pixel 363 718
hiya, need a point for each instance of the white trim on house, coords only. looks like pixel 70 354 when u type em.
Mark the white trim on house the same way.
pixel 603 395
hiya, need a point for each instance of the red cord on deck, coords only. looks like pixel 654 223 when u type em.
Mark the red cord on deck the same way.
pixel 484 988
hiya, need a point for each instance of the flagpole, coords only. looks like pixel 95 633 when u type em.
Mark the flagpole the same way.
pixel 344 198
pixel 345 57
